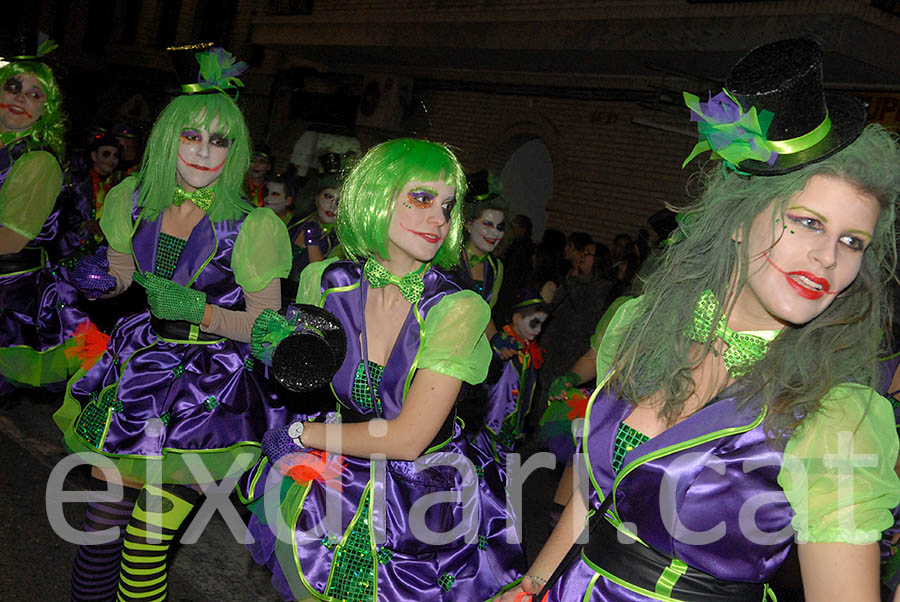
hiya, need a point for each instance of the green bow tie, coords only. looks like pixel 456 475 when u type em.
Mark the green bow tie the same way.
pixel 202 197
pixel 476 259
pixel 744 349
pixel 410 285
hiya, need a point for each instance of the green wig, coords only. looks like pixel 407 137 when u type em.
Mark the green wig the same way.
pixel 371 188
pixel 805 361
pixel 49 129
pixel 159 167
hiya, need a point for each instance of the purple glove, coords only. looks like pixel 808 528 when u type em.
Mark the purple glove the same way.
pixel 90 274
pixel 277 443
pixel 313 235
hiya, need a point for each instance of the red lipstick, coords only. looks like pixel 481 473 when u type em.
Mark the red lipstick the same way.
pixel 801 289
pixel 18 110
pixel 201 167
pixel 428 237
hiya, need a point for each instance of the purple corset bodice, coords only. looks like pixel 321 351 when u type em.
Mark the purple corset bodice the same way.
pixel 704 491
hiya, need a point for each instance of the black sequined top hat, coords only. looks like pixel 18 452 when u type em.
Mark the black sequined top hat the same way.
pixel 204 69
pixel 308 359
pixel 808 124
pixel 331 162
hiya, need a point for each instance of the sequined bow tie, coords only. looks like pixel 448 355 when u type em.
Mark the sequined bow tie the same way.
pixel 202 197
pixel 410 285
pixel 744 349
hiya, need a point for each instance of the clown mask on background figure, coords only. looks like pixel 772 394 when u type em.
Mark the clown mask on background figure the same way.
pixel 486 231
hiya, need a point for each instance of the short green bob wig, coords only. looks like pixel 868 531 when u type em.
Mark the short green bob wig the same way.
pixel 371 188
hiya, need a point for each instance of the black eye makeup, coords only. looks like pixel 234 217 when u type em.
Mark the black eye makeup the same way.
pixel 447 208
pixel 108 153
pixel 220 141
pixel 13 85
pixel 535 323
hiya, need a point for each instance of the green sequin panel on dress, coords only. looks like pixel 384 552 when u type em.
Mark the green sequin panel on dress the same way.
pixel 353 564
pixel 92 423
pixel 627 439
pixel 360 394
pixel 168 250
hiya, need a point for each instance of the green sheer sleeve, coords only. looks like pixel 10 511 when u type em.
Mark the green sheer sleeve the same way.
pixel 262 251
pixel 116 221
pixel 29 193
pixel 609 331
pixel 498 282
pixel 454 342
pixel 838 471
pixel 310 289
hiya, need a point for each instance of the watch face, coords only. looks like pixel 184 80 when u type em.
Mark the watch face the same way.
pixel 295 430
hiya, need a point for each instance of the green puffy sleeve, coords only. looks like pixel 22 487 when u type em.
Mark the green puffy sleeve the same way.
pixel 610 331
pixel 838 471
pixel 262 251
pixel 498 282
pixel 310 289
pixel 116 221
pixel 454 343
pixel 29 193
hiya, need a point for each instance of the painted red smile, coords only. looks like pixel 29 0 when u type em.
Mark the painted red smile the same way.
pixel 428 237
pixel 16 110
pixel 805 284
pixel 201 167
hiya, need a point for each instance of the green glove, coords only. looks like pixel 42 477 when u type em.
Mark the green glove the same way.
pixel 269 329
pixel 566 381
pixel 171 301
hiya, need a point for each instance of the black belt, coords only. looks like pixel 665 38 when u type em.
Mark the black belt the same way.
pixel 643 566
pixel 180 330
pixel 444 434
pixel 28 258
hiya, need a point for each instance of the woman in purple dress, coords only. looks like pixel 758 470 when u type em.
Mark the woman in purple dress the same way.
pixel 38 315
pixel 176 402
pixel 735 413
pixel 383 500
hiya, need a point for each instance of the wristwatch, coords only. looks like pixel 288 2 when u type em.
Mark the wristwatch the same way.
pixel 295 432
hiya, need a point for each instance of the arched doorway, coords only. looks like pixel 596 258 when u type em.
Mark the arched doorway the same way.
pixel 527 178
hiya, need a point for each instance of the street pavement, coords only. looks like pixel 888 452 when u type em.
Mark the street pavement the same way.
pixel 35 562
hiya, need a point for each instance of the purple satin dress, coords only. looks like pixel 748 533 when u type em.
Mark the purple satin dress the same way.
pixel 375 510
pixel 508 404
pixel 38 310
pixel 697 476
pixel 149 397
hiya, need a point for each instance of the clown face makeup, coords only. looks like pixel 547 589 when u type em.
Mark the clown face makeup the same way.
pixel 201 157
pixel 486 231
pixel 106 159
pixel 326 205
pixel 529 327
pixel 801 259
pixel 421 220
pixel 259 167
pixel 276 198
pixel 22 99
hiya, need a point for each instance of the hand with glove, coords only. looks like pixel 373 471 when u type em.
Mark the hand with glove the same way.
pixel 561 384
pixel 313 234
pixel 171 301
pixel 269 329
pixel 90 274
pixel 280 441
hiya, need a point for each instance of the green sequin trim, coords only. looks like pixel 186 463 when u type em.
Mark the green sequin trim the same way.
pixel 211 403
pixel 353 564
pixel 385 555
pixel 360 393
pixel 91 425
pixel 248 363
pixel 178 371
pixel 165 417
pixel 446 581
pixel 482 542
pixel 329 541
pixel 168 250
pixel 627 439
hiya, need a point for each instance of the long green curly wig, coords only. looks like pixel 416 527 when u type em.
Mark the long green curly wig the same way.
pixel 49 129
pixel 804 362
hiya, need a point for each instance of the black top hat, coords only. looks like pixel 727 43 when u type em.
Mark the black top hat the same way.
pixel 331 162
pixel 809 124
pixel 219 74
pixel 262 149
pixel 308 359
